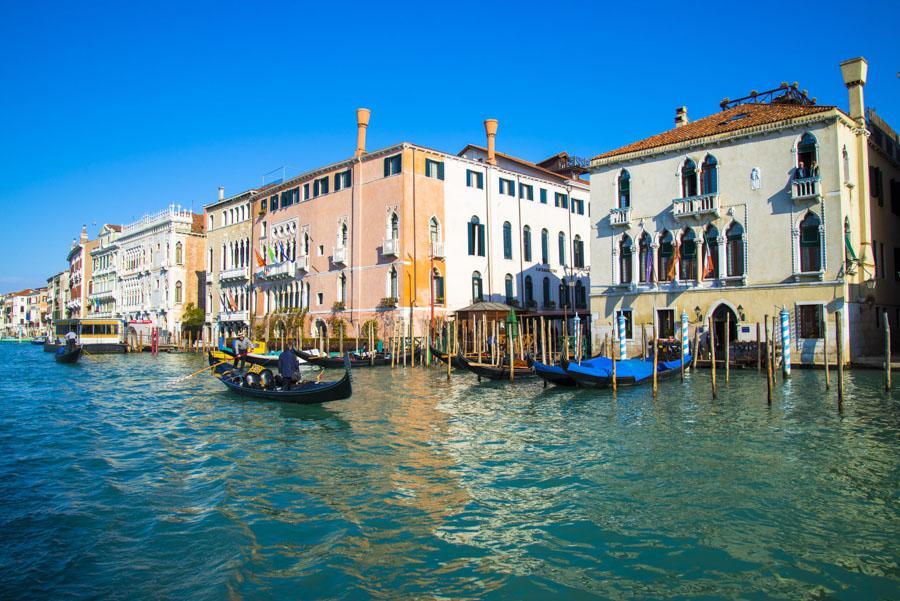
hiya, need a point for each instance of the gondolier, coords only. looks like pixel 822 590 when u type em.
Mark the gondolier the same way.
pixel 71 340
pixel 241 348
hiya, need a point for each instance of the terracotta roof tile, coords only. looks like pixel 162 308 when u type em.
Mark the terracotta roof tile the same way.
pixel 734 119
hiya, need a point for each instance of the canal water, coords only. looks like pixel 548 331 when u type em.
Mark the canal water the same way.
pixel 116 481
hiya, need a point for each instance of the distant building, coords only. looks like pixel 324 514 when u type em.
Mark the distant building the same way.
pixel 25 313
pixel 58 294
pixel 79 275
pixel 745 212
pixel 103 290
pixel 404 232
pixel 160 269
pixel 229 257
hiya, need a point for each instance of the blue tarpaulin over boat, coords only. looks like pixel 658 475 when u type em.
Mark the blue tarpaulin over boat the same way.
pixel 638 369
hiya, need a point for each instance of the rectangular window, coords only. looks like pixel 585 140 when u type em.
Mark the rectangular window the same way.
pixel 320 187
pixel 895 197
pixel 561 200
pixel 392 165
pixel 543 196
pixel 320 296
pixel 508 187
pixel 629 327
pixel 273 202
pixel 875 184
pixel 810 318
pixel 578 206
pixel 306 195
pixel 526 192
pixel 434 169
pixel 474 179
pixel 342 180
pixel 666 322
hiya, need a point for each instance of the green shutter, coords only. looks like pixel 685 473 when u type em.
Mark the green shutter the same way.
pixel 480 239
pixel 471 228
pixel 440 173
pixel 387 167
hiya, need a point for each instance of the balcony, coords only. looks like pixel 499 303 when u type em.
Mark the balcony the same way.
pixel 696 206
pixel 278 271
pixel 390 247
pixel 339 255
pixel 806 188
pixel 620 216
pixel 437 250
pixel 241 316
pixel 302 264
pixel 233 274
pixel 102 294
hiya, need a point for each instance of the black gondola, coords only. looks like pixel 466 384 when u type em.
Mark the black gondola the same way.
pixel 355 360
pixel 306 393
pixel 252 358
pixel 67 355
pixel 51 345
pixel 495 372
pixel 442 356
pixel 554 374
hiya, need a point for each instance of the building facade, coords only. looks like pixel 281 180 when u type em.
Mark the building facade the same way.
pixel 160 269
pixel 405 233
pixel 103 289
pixel 228 263
pixel 26 312
pixel 740 215
pixel 57 294
pixel 79 275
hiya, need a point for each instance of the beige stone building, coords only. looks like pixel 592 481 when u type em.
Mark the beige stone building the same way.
pixel 761 207
pixel 228 262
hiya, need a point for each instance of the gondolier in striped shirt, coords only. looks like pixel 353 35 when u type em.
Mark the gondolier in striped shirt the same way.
pixel 241 348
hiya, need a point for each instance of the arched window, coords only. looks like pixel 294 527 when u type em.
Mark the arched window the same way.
pixel 666 252
pixel 211 221
pixel 562 248
pixel 526 243
pixel 687 269
pixel 545 246
pixel 624 189
pixel 529 291
pixel 438 286
pixel 209 265
pixel 342 236
pixel 810 243
pixel 688 178
pixel 342 288
pixel 477 291
pixel 645 257
pixel 434 230
pixel 306 244
pixel 476 237
pixel 178 291
pixel 394 227
pixel 507 240
pixel 545 292
pixel 393 285
pixel 734 249
pixel 508 288
pixel 625 259
pixel 807 156
pixel 710 175
pixel 564 294
pixel 711 253
pixel 580 296
pixel 578 251
pixel 179 254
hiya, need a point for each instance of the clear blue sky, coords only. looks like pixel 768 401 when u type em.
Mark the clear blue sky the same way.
pixel 108 112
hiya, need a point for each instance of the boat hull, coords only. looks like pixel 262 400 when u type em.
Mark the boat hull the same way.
pixel 309 393
pixel 494 372
pixel 554 374
pixel 68 356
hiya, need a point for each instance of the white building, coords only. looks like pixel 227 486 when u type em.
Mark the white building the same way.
pixel 160 269
pixel 103 288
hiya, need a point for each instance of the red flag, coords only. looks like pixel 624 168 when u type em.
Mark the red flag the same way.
pixel 709 269
pixel 260 262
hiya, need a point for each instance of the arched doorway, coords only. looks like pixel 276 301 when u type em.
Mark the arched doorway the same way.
pixel 723 315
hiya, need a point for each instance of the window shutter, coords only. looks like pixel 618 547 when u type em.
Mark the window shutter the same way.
pixel 468 178
pixel 387 167
pixel 471 228
pixel 480 239
pixel 440 172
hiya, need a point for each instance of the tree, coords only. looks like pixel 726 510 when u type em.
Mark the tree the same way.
pixel 193 318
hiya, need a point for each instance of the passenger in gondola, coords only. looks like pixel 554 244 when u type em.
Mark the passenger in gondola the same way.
pixel 241 348
pixel 289 366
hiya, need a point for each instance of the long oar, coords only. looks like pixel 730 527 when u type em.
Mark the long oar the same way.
pixel 87 354
pixel 200 371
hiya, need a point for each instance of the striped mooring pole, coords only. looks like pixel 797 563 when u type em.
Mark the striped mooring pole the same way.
pixel 620 324
pixel 685 344
pixel 785 342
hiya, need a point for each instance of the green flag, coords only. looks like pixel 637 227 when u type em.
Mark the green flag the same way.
pixel 850 253
pixel 271 256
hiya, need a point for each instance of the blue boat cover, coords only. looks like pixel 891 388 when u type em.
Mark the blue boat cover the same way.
pixel 639 369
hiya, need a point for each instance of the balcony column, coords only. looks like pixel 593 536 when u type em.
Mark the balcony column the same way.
pixel 654 264
pixel 701 259
pixel 616 265
pixel 720 243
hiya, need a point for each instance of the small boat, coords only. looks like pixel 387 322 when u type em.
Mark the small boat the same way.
pixel 39 340
pixel 303 393
pixel 597 372
pixel 442 356
pixel 356 359
pixel 50 346
pixel 496 372
pixel 554 374
pixel 67 355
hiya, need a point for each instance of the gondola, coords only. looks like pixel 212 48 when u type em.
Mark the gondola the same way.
pixel 67 355
pixel 50 346
pixel 252 358
pixel 496 372
pixel 554 374
pixel 356 360
pixel 597 373
pixel 306 393
pixel 442 356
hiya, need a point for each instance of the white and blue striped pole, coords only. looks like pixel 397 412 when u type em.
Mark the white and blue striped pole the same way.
pixel 620 323
pixel 685 345
pixel 785 343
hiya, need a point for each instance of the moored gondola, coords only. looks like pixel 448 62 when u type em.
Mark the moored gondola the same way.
pixel 356 360
pixel 442 356
pixel 554 374
pixel 629 372
pixel 496 372
pixel 68 355
pixel 311 392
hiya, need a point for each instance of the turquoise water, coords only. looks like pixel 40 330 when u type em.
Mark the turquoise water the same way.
pixel 117 482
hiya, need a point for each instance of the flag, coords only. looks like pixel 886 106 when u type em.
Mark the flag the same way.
pixel 710 268
pixel 272 258
pixel 260 261
pixel 676 256
pixel 232 302
pixel 283 251
pixel 223 301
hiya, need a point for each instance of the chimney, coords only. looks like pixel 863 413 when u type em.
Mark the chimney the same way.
pixel 854 72
pixel 681 117
pixel 362 122
pixel 84 236
pixel 490 128
pixel 221 193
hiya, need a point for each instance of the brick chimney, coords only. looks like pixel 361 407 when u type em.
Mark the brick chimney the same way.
pixel 490 128
pixel 221 193
pixel 362 122
pixel 681 117
pixel 854 72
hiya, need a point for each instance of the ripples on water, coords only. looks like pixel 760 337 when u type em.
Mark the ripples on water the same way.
pixel 117 482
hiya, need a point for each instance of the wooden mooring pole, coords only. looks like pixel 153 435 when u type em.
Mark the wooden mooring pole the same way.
pixel 712 357
pixel 838 328
pixel 825 350
pixel 655 356
pixel 727 348
pixel 768 366
pixel 887 353
pixel 758 350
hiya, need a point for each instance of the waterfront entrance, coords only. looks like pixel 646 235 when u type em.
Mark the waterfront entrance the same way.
pixel 721 315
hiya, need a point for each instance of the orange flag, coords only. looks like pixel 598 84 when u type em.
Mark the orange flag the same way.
pixel 676 256
pixel 260 262
pixel 709 269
